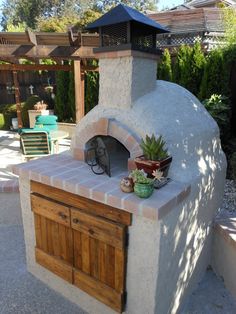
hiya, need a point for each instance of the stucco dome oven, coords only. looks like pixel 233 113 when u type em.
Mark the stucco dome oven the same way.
pixel 170 232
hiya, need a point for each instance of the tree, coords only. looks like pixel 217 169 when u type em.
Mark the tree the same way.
pixel 16 28
pixel 28 11
pixel 136 4
pixel 55 24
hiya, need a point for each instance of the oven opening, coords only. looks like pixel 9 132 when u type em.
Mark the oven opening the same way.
pixel 109 152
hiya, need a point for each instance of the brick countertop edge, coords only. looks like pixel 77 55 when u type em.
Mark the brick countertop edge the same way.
pixel 63 172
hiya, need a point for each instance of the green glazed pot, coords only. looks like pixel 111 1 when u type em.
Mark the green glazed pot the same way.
pixel 143 190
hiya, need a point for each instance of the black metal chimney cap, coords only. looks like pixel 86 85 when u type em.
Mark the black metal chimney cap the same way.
pixel 123 13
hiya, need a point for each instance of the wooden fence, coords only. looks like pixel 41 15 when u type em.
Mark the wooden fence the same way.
pixel 39 80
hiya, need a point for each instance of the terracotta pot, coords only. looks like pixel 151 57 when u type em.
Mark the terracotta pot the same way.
pixel 143 190
pixel 149 165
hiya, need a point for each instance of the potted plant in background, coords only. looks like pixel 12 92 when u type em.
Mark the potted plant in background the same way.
pixel 144 186
pixel 155 156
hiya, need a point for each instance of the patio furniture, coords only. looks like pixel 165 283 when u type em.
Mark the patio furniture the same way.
pixel 35 144
pixel 55 136
pixel 49 122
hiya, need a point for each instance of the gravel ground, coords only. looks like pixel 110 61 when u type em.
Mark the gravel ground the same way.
pixel 229 200
pixel 210 297
pixel 21 292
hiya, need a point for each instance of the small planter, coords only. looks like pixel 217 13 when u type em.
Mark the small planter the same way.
pixel 149 165
pixel 143 190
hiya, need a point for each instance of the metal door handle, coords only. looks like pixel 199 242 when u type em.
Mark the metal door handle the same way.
pixel 62 215
pixel 75 220
pixel 91 231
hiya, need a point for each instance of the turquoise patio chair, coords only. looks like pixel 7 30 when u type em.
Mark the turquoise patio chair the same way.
pixel 35 144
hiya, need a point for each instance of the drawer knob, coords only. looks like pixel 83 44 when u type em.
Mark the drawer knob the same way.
pixel 91 231
pixel 75 220
pixel 62 215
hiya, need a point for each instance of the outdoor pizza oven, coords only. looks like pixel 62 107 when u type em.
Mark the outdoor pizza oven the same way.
pixel 117 251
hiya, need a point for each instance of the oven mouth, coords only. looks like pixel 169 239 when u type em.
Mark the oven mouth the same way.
pixel 106 154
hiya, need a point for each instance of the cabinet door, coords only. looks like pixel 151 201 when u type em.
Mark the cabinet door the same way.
pixel 54 246
pixel 99 257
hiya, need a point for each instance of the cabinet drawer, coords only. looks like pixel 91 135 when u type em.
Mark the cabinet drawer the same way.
pixel 98 228
pixel 50 209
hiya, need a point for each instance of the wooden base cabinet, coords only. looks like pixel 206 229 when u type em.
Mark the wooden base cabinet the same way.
pixel 82 241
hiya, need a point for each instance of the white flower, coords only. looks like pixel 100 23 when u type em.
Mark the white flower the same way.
pixel 157 174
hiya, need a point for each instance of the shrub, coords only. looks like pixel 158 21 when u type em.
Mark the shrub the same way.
pixel 182 66
pixel 71 98
pixel 164 69
pixel 7 113
pixel 91 89
pixel 189 66
pixel 2 121
pixel 219 109
pixel 61 99
pixel 28 105
pixel 214 81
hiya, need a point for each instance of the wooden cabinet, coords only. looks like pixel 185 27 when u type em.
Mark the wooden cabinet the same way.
pixel 82 241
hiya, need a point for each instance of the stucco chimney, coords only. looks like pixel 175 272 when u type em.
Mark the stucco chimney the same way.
pixel 124 79
pixel 127 56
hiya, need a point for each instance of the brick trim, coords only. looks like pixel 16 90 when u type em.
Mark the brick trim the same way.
pixel 107 127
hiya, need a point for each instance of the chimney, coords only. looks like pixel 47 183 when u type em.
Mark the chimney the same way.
pixel 127 56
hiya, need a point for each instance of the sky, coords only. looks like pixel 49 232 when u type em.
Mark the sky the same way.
pixel 168 3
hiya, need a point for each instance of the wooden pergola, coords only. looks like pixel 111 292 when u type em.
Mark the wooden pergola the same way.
pixel 56 46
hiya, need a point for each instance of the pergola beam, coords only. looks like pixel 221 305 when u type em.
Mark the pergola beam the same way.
pixel 44 67
pixel 32 37
pixel 79 91
pixel 42 52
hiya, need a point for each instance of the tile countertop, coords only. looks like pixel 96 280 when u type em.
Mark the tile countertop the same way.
pixel 63 172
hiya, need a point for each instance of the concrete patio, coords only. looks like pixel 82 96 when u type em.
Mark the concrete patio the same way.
pixel 22 293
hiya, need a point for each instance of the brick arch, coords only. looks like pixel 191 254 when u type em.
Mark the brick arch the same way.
pixel 107 127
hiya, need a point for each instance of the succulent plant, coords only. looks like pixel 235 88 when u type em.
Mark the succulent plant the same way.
pixel 154 148
pixel 139 176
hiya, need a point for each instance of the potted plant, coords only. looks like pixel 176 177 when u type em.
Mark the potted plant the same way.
pixel 40 105
pixel 144 186
pixel 155 156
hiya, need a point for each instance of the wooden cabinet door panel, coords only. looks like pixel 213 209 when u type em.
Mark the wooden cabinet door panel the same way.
pixel 98 228
pixel 99 259
pixel 53 238
pixel 82 247
pixel 99 290
pixel 55 265
pixel 51 210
